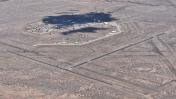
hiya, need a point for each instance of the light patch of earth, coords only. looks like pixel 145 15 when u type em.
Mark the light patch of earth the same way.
pixel 9 92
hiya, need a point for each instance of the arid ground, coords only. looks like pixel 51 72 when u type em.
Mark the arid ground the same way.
pixel 87 49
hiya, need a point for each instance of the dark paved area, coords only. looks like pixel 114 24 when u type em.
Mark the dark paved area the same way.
pixel 87 49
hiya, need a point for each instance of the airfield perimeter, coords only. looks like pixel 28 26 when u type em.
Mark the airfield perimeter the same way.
pixel 87 49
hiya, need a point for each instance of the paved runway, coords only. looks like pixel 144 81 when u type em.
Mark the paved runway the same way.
pixel 87 49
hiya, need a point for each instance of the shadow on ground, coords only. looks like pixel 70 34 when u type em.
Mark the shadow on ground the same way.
pixel 84 30
pixel 70 20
